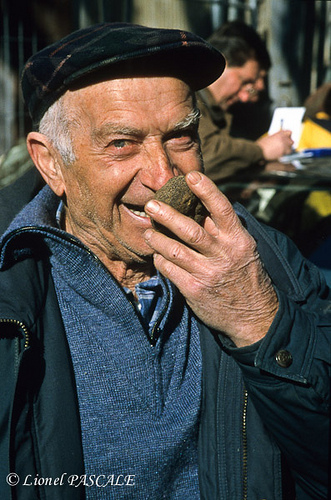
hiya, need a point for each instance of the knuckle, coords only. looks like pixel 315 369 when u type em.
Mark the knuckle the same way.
pixel 213 278
pixel 249 244
pixel 195 290
pixel 176 251
pixel 228 213
pixel 248 251
pixel 195 234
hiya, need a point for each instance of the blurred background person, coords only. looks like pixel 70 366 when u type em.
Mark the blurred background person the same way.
pixel 248 62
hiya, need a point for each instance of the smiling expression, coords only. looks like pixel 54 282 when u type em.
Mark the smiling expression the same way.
pixel 130 136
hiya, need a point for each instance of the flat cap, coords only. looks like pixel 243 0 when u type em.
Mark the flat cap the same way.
pixel 110 50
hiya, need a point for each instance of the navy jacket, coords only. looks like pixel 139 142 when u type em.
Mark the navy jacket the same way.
pixel 265 418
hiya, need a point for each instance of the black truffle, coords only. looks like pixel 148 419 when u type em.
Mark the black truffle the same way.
pixel 178 195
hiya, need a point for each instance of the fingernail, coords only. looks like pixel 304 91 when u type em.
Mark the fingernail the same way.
pixel 152 206
pixel 194 177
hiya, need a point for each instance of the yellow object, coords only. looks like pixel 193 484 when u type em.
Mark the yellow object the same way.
pixel 314 135
pixel 320 201
pixel 316 207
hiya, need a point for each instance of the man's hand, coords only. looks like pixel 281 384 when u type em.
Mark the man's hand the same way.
pixel 216 267
pixel 276 145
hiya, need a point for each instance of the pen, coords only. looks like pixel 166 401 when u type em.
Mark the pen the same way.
pixel 296 156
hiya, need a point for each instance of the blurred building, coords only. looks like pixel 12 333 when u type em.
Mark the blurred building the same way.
pixel 297 33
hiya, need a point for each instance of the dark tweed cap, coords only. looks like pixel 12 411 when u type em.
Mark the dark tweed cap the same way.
pixel 110 50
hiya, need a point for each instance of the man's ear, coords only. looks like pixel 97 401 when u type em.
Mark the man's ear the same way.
pixel 45 159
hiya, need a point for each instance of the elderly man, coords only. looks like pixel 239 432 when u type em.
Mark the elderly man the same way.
pixel 135 364
pixel 242 81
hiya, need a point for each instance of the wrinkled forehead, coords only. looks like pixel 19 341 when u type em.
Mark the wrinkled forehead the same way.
pixel 126 97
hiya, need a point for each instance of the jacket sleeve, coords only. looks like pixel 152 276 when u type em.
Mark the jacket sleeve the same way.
pixel 287 374
pixel 224 155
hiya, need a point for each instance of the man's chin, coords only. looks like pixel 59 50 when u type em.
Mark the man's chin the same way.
pixel 143 254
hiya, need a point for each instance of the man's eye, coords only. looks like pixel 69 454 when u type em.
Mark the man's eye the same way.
pixel 247 83
pixel 122 147
pixel 120 143
pixel 184 136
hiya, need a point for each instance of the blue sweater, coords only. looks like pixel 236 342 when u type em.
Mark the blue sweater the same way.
pixel 139 404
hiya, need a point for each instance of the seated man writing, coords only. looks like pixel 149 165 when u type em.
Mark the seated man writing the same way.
pixel 134 363
pixel 247 64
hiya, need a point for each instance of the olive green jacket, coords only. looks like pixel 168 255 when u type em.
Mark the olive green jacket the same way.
pixel 223 155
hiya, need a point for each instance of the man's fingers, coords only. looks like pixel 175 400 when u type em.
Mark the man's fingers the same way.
pixel 220 228
pixel 177 253
pixel 219 207
pixel 184 228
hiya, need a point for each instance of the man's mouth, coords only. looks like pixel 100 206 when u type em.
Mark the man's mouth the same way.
pixel 137 210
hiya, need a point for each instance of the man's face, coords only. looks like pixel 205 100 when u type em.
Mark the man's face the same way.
pixel 251 91
pixel 226 90
pixel 130 136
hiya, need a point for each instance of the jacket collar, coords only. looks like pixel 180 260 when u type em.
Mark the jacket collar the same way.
pixel 38 216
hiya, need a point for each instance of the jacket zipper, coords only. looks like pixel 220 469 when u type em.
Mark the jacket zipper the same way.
pixel 244 436
pixel 22 327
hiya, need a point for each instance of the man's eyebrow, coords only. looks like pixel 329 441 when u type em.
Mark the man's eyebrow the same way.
pixel 191 119
pixel 114 128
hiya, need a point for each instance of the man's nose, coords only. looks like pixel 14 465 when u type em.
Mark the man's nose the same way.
pixel 157 167
pixel 245 94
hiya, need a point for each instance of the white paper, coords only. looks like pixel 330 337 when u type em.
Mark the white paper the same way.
pixel 288 119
